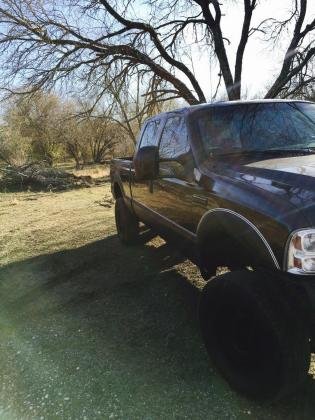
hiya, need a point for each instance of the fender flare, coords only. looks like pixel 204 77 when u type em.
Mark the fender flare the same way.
pixel 225 235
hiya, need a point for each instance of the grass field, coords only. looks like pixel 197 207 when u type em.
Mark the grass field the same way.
pixel 93 330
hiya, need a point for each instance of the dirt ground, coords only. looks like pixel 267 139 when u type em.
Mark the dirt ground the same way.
pixel 93 330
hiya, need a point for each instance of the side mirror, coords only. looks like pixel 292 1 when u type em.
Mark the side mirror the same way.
pixel 146 163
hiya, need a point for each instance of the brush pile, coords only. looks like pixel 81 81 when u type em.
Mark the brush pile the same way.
pixel 39 176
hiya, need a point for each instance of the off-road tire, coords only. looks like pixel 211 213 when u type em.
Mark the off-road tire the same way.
pixel 126 223
pixel 255 335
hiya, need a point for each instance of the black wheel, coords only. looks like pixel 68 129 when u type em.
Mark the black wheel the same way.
pixel 126 223
pixel 254 335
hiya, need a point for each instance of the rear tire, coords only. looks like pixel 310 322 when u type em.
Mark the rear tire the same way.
pixel 254 334
pixel 126 223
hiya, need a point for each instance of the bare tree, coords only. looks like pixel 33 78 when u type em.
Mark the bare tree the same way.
pixel 43 43
pixel 33 127
pixel 131 104
pixel 128 101
pixel 102 135
pixel 310 95
pixel 73 137
pixel 297 68
pixel 14 149
pixel 90 139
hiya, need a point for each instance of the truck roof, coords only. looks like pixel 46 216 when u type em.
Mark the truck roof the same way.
pixel 193 108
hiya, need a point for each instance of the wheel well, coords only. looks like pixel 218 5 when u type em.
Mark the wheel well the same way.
pixel 225 239
pixel 221 250
pixel 117 191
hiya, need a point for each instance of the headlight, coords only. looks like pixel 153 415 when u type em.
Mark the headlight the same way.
pixel 301 252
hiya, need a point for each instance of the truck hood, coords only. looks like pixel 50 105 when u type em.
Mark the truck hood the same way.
pixel 281 187
pixel 290 179
pixel 302 165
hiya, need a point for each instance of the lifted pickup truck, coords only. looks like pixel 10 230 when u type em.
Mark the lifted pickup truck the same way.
pixel 232 184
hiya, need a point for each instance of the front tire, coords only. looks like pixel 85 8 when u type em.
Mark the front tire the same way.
pixel 254 335
pixel 126 223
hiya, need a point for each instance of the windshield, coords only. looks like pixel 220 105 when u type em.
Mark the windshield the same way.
pixel 262 127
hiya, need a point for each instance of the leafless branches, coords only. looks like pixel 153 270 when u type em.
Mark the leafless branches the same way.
pixel 73 44
pixel 298 57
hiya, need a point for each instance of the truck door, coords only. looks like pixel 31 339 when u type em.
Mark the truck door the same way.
pixel 175 184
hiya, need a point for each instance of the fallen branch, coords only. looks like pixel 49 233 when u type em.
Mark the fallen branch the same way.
pixel 38 176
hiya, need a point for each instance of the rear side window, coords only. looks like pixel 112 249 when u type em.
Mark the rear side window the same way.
pixel 149 136
pixel 174 141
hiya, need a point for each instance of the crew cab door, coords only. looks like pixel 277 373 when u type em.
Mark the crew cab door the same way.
pixel 173 188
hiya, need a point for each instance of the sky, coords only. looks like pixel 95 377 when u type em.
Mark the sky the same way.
pixel 262 60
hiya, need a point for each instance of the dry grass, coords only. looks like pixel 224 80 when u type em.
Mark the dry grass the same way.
pixel 94 171
pixel 37 223
pixel 91 329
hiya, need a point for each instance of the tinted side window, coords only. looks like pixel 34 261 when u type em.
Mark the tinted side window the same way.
pixel 174 141
pixel 149 136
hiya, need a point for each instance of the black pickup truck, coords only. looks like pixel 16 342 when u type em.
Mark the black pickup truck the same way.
pixel 232 185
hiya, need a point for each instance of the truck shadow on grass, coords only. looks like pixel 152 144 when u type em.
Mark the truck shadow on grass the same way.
pixel 107 330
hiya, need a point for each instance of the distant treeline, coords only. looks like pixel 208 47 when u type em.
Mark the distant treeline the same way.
pixel 42 127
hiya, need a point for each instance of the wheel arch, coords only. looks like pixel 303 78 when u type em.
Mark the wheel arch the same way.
pixel 227 238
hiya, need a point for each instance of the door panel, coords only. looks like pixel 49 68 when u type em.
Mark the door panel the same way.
pixel 172 191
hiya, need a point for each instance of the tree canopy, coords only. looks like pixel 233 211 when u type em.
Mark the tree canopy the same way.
pixel 76 42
